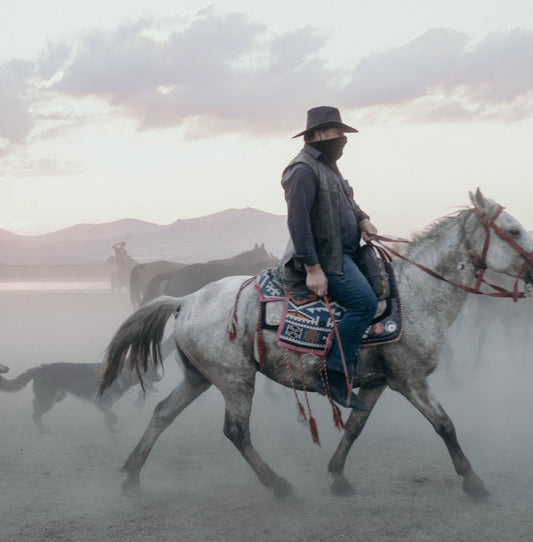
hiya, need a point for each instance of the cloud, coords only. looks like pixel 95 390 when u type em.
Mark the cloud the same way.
pixel 499 69
pixel 51 59
pixel 495 72
pixel 218 74
pixel 225 74
pixel 21 165
pixel 408 72
pixel 15 119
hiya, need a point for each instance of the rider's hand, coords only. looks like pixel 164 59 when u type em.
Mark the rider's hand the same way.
pixel 368 230
pixel 316 280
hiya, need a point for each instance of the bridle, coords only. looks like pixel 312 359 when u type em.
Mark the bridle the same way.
pixel 489 223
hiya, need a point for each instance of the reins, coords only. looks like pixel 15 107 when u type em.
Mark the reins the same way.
pixel 488 222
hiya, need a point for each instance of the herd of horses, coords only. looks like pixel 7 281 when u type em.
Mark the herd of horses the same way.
pixel 150 280
pixel 215 349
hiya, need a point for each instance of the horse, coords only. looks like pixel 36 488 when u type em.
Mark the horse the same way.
pixel 148 280
pixel 142 273
pixel 193 277
pixel 489 325
pixel 453 247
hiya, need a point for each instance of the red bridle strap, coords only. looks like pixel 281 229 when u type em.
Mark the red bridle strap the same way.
pixel 488 223
pixel 434 274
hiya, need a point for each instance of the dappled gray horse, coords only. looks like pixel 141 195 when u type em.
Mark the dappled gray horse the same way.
pixel 453 247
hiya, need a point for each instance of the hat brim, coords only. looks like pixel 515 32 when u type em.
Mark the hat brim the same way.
pixel 325 125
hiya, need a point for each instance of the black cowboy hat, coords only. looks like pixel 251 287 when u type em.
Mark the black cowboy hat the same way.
pixel 324 117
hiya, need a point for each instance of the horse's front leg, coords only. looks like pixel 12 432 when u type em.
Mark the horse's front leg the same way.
pixel 420 396
pixel 237 430
pixel 354 425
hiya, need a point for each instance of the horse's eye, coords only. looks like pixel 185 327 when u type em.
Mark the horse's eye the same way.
pixel 514 233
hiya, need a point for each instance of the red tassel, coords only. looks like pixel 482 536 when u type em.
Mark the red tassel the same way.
pixel 337 417
pixel 314 430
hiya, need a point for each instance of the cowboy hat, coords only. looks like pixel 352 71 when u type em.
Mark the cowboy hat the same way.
pixel 324 117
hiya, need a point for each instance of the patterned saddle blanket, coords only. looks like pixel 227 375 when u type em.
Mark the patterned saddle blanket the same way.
pixel 303 321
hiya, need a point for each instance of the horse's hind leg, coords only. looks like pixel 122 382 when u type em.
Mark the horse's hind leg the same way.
pixel 354 425
pixel 165 412
pixel 237 429
pixel 420 396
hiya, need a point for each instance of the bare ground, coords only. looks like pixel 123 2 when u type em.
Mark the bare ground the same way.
pixel 65 486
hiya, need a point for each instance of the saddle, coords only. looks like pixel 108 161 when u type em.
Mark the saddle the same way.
pixel 304 322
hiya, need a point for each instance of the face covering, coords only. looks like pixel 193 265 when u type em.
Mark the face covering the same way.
pixel 331 148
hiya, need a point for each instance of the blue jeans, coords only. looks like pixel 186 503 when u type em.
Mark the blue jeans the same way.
pixel 354 293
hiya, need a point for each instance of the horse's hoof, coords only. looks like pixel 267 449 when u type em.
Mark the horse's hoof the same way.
pixel 131 487
pixel 341 487
pixel 282 489
pixel 475 488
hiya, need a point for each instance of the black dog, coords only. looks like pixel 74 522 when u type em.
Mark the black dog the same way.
pixel 52 382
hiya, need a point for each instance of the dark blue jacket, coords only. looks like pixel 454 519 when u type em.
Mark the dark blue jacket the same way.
pixel 323 218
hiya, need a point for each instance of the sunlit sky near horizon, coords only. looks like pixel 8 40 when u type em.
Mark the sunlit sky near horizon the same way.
pixel 160 109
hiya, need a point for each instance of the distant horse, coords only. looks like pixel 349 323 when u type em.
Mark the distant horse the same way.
pixel 453 247
pixel 485 319
pixel 192 277
pixel 141 275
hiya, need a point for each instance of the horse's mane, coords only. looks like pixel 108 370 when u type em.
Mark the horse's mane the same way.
pixel 434 229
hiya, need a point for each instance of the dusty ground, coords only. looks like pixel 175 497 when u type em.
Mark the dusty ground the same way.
pixel 65 486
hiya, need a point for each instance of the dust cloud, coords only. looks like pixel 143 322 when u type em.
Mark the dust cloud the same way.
pixel 65 485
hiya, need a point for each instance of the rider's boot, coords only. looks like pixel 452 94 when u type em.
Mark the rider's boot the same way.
pixel 339 391
pixel 367 377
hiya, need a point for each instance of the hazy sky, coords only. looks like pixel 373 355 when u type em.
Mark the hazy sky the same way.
pixel 159 110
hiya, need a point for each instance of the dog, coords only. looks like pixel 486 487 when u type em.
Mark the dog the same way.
pixel 53 381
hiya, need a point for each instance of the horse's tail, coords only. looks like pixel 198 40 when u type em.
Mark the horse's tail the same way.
pixel 17 383
pixel 135 287
pixel 137 340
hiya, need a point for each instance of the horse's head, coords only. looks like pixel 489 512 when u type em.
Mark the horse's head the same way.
pixel 498 241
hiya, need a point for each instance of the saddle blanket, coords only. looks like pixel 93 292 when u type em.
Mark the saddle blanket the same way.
pixel 304 323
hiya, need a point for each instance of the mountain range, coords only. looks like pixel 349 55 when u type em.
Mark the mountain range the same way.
pixel 215 236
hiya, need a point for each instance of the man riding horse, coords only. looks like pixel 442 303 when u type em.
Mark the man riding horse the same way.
pixel 326 225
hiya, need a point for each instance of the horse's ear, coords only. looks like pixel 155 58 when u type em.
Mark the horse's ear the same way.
pixel 477 199
pixel 482 203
